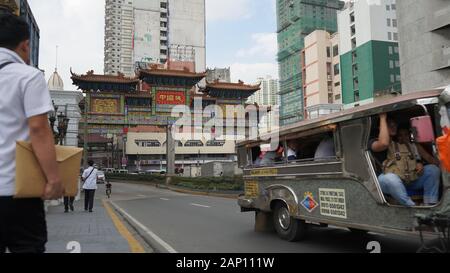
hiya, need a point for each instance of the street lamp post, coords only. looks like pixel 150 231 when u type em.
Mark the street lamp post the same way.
pixel 52 119
pixel 63 123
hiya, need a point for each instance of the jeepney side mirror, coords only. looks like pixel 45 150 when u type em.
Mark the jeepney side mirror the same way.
pixel 422 129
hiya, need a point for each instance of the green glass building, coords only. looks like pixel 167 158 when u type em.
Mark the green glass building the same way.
pixel 295 20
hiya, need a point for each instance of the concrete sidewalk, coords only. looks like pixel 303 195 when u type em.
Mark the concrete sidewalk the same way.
pixel 94 232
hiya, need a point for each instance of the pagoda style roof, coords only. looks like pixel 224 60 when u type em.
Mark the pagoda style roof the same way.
pixel 229 90
pixel 170 77
pixel 91 81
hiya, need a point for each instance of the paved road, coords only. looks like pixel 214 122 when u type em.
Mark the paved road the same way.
pixel 203 224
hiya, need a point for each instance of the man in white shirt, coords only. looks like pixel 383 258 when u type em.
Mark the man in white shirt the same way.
pixel 24 104
pixel 90 185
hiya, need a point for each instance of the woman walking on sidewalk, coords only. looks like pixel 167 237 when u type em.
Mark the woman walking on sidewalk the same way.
pixel 89 178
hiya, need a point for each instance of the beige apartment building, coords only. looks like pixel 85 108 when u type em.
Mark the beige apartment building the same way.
pixel 321 74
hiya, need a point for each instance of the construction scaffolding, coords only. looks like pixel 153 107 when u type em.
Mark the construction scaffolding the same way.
pixel 295 20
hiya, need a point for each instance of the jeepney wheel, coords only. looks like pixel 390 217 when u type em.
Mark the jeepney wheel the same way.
pixel 287 227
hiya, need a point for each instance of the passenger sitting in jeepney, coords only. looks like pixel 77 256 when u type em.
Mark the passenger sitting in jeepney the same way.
pixel 272 156
pixel 292 146
pixel 403 168
pixel 326 149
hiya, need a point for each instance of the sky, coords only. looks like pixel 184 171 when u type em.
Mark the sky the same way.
pixel 240 35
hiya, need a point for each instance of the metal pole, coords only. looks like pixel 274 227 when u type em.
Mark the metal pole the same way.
pixel 85 142
pixel 170 155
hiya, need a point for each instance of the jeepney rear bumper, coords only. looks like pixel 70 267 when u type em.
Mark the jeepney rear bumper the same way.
pixel 246 204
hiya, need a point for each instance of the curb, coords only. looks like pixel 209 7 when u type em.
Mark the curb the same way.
pixel 151 239
pixel 186 191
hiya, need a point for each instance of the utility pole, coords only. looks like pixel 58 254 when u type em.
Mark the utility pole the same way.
pixel 170 154
pixel 85 141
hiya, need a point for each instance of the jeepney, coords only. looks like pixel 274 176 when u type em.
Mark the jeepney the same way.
pixel 342 190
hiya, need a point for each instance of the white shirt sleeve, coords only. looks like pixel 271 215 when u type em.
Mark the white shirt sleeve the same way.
pixel 36 96
pixel 85 173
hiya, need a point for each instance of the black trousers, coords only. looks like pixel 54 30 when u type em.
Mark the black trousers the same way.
pixel 23 228
pixel 68 202
pixel 89 199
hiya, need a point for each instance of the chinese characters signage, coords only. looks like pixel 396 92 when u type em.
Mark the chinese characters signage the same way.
pixel 105 106
pixel 170 98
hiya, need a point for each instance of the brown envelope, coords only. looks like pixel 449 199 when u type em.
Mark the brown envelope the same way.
pixel 30 179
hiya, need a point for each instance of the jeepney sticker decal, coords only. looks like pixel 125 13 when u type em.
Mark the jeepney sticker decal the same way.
pixel 332 203
pixel 251 189
pixel 264 172
pixel 309 203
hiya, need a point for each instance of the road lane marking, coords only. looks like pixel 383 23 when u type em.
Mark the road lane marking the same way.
pixel 164 199
pixel 135 246
pixel 155 237
pixel 198 205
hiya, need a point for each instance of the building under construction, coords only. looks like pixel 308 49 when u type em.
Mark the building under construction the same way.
pixel 295 20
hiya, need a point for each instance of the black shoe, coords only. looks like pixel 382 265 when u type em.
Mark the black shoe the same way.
pixel 72 208
pixel 90 210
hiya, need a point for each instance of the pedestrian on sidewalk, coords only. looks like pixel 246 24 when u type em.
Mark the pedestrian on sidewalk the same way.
pixel 24 105
pixel 90 185
pixel 68 203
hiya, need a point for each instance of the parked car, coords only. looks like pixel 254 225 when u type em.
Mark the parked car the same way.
pixel 161 172
pixel 109 170
pixel 101 179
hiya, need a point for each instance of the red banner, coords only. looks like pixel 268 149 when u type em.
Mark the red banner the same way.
pixel 170 98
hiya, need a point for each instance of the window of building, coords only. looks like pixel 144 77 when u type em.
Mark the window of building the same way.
pixel 337 97
pixel 335 50
pixel 388 7
pixel 392 78
pixel 391 64
pixel 164 5
pixel 390 36
pixel 398 78
pixel 394 22
pixel 328 52
pixel 397 64
pixel 395 36
pixel 336 69
pixel 394 7
pixel 336 84
pixel 388 22
pixel 390 50
pixel 396 49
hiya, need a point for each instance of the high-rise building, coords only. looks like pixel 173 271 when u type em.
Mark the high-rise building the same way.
pixel 424 33
pixel 220 74
pixel 142 32
pixel 27 15
pixel 119 37
pixel 268 94
pixel 267 98
pixel 22 9
pixel 370 65
pixel 321 73
pixel 295 20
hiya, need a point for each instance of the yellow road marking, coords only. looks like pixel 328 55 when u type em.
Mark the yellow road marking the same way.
pixel 135 246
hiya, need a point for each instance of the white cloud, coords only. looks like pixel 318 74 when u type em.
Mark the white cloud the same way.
pixel 249 72
pixel 77 28
pixel 264 45
pixel 228 10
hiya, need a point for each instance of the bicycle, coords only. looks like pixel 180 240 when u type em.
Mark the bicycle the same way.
pixel 108 189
